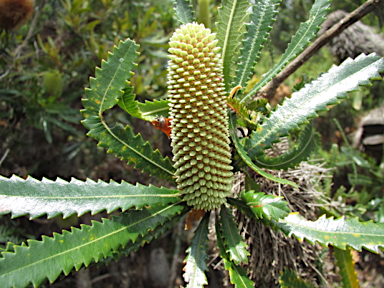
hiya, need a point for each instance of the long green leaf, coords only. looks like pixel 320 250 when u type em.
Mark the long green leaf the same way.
pixel 184 11
pixel 328 89
pixel 48 258
pixel 231 16
pixel 105 92
pixel 237 275
pixel 306 32
pixel 266 206
pixel 347 268
pixel 305 144
pixel 261 20
pixel 336 232
pixel 244 156
pixel 235 246
pixel 37 198
pixel 197 255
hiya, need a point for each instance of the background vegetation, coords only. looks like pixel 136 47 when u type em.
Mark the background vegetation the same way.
pixel 45 66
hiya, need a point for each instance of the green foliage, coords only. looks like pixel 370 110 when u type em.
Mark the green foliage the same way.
pixel 347 268
pixel 339 233
pixel 37 198
pixel 328 89
pixel 62 252
pixel 237 274
pixel 195 265
pixel 148 211
pixel 229 31
pixel 266 206
pixel 261 19
pixel 235 247
pixel 112 77
pixel 184 11
pixel 302 37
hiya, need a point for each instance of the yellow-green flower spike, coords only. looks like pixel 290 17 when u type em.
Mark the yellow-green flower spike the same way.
pixel 198 109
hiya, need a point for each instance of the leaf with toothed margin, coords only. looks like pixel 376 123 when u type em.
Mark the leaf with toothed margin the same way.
pixel 184 11
pixel 36 198
pixel 261 20
pixel 303 36
pixel 235 246
pixel 197 255
pixel 48 258
pixel 229 32
pixel 339 232
pixel 107 89
pixel 315 96
pixel 237 275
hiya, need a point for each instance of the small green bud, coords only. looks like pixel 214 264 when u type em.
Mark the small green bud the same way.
pixel 198 109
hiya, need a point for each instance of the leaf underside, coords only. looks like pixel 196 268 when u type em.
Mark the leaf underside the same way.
pixel 339 233
pixel 107 89
pixel 37 198
pixel 315 96
pixel 306 32
pixel 197 255
pixel 48 258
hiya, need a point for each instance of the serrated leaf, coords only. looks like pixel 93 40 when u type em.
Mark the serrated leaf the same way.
pixel 261 20
pixel 233 242
pixel 231 15
pixel 147 238
pixel 37 198
pixel 328 89
pixel 289 279
pixel 339 232
pixel 237 274
pixel 184 11
pixel 305 144
pixel 48 258
pixel 105 92
pixel 306 32
pixel 244 156
pixel 347 268
pixel 197 255
pixel 266 206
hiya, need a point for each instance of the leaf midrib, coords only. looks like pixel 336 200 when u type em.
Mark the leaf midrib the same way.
pixel 91 242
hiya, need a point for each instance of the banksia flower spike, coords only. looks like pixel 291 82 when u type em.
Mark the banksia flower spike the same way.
pixel 200 133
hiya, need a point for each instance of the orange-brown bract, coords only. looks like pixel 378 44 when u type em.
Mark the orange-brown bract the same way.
pixel 13 13
pixel 200 133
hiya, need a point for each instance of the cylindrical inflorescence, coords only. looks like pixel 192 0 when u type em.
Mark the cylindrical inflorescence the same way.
pixel 200 133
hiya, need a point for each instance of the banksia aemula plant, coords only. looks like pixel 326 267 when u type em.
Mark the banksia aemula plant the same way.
pixel 200 133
